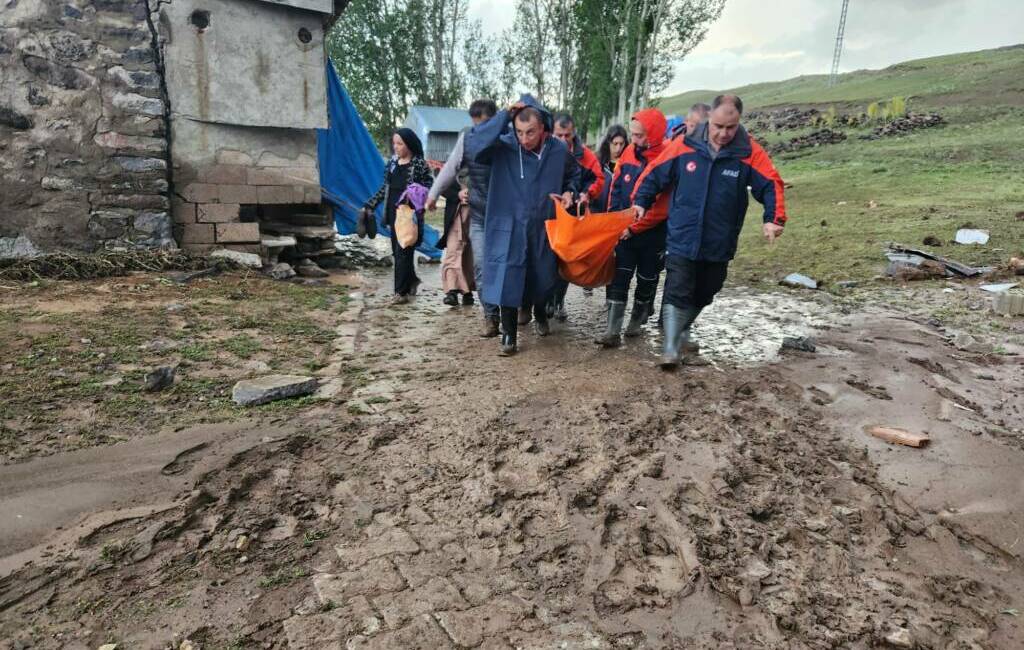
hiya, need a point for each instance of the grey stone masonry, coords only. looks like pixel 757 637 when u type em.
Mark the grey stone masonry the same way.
pixel 83 138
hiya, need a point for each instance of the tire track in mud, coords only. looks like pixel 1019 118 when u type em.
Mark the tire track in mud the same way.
pixel 563 498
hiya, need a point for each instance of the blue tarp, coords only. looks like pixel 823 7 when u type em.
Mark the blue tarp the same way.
pixel 351 168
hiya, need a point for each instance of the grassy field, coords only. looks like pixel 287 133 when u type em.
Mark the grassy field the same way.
pixel 990 76
pixel 75 354
pixel 927 183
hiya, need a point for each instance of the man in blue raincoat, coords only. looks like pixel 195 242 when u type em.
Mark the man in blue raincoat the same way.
pixel 529 167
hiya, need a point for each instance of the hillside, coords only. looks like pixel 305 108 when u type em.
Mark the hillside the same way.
pixel 994 76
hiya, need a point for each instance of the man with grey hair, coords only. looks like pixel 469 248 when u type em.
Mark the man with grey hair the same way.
pixel 698 113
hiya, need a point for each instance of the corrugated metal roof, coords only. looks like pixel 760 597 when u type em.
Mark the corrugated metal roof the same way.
pixel 437 118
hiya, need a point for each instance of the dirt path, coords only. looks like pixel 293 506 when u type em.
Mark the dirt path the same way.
pixel 576 498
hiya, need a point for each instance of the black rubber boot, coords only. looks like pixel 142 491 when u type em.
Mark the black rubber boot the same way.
pixel 676 324
pixel 451 298
pixel 467 298
pixel 543 326
pixel 612 337
pixel 637 318
pixel 509 326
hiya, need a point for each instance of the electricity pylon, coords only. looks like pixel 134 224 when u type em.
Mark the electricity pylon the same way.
pixel 833 78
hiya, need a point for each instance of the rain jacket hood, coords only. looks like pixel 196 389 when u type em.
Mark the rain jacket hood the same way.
pixel 654 124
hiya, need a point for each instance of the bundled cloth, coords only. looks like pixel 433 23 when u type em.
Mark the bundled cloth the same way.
pixel 586 246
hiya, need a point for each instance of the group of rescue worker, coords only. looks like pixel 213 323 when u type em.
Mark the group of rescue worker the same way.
pixel 688 191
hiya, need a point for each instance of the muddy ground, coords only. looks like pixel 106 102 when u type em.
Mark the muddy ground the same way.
pixel 566 498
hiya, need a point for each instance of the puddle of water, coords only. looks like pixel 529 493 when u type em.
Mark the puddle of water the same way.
pixel 743 327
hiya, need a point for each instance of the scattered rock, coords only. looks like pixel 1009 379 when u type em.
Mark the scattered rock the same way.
pixel 1002 287
pixel 282 271
pixel 904 125
pixel 798 281
pixel 814 139
pixel 900 639
pixel 799 343
pixel 847 284
pixel 250 260
pixel 968 236
pixel 924 270
pixel 242 543
pixel 159 379
pixel 1017 265
pixel 184 277
pixel 966 342
pixel 1008 304
pixel 256 366
pixel 307 268
pixel 251 392
pixel 932 240
pixel 18 248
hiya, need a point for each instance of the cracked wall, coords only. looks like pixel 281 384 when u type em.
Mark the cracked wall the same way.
pixel 83 128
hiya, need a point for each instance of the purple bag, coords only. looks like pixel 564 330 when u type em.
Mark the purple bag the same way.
pixel 416 195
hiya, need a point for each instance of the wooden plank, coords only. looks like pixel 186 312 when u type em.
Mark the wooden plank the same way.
pixel 899 436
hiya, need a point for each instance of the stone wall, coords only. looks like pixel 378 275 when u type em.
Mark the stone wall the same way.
pixel 83 127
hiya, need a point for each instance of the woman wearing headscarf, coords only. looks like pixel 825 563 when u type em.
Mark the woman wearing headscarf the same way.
pixel 406 167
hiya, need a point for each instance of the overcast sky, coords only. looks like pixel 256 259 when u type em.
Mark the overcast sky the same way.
pixel 758 40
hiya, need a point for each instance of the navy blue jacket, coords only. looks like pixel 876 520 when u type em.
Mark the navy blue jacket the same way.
pixel 519 266
pixel 709 202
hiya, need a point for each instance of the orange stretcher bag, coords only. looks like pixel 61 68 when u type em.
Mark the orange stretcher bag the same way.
pixel 586 246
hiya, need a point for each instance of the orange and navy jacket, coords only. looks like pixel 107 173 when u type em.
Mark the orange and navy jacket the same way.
pixel 630 167
pixel 709 193
pixel 591 174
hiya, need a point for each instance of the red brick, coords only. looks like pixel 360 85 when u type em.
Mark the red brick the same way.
pixel 198 233
pixel 280 194
pixel 245 194
pixel 200 192
pixel 217 213
pixel 225 175
pixel 238 233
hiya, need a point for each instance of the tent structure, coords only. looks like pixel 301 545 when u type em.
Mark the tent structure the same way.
pixel 351 168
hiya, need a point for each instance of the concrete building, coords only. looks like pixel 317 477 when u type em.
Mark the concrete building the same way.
pixel 142 123
pixel 438 128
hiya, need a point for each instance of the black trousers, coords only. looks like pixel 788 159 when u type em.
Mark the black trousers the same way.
pixel 405 266
pixel 643 256
pixel 692 283
pixel 561 288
